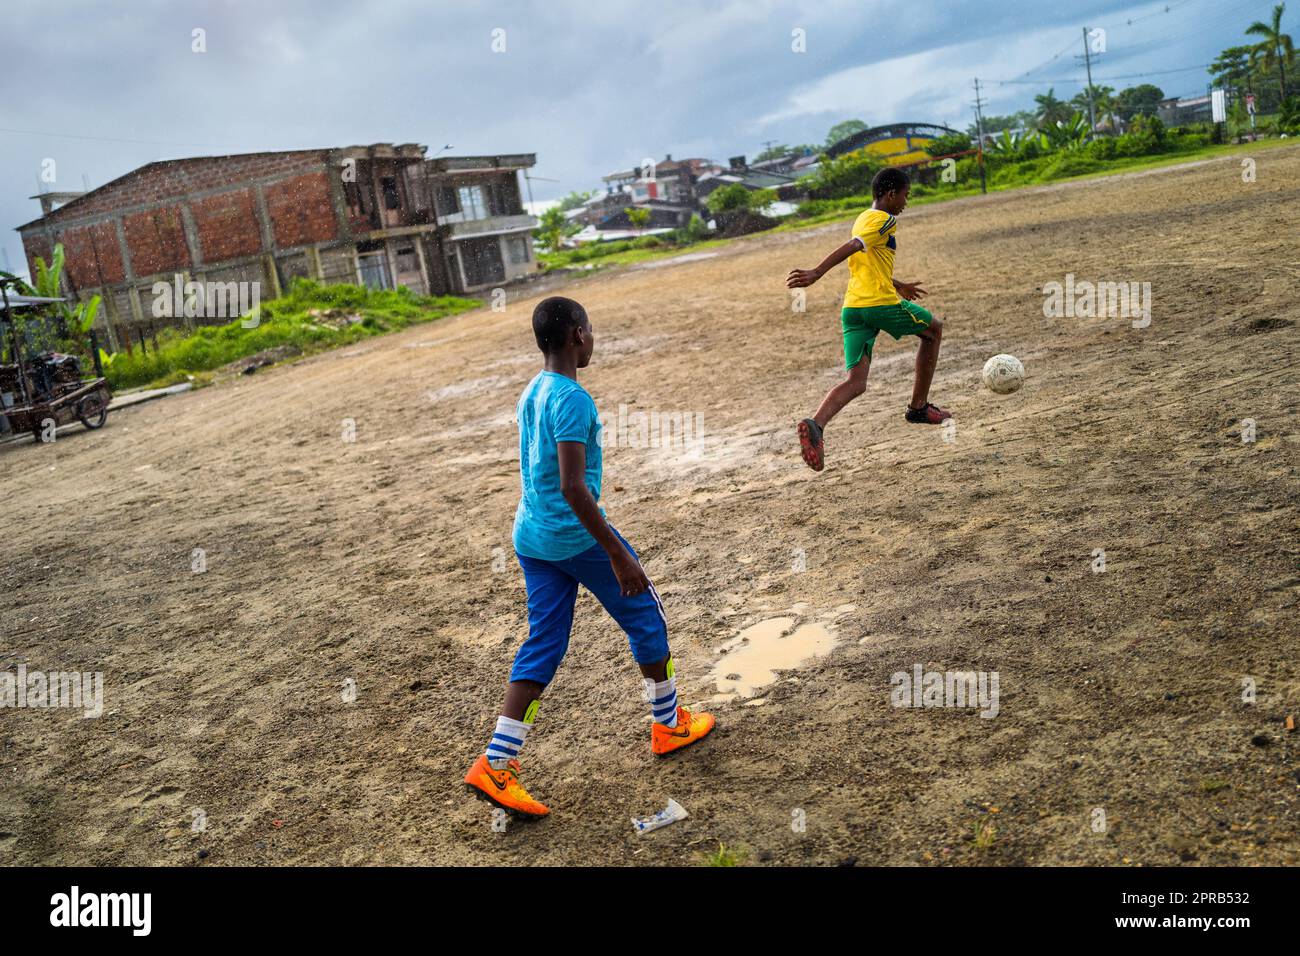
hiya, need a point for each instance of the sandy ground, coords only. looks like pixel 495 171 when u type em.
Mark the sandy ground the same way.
pixel 386 562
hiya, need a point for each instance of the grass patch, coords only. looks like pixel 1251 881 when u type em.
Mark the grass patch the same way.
pixel 628 252
pixel 984 834
pixel 310 318
pixel 724 856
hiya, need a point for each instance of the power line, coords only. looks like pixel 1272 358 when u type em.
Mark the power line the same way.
pixel 1118 76
pixel 1166 9
pixel 1217 20
pixel 1052 59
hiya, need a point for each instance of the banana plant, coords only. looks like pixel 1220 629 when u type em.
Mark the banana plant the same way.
pixel 49 281
pixel 1066 134
pixel 1007 144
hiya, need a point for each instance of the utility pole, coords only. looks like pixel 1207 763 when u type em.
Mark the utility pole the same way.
pixel 1087 62
pixel 979 132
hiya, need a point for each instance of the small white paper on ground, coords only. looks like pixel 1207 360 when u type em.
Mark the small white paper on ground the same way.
pixel 669 814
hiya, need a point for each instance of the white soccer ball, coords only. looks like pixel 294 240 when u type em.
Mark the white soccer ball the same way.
pixel 1004 374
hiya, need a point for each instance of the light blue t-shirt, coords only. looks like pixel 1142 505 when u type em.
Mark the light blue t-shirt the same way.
pixel 553 408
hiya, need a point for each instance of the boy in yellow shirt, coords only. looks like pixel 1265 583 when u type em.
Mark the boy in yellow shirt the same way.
pixel 875 300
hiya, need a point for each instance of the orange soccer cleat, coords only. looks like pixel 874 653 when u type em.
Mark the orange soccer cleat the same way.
pixel 690 728
pixel 503 788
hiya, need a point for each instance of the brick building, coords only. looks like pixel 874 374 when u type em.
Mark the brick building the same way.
pixel 380 215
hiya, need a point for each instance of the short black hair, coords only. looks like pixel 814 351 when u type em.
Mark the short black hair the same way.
pixel 888 180
pixel 554 319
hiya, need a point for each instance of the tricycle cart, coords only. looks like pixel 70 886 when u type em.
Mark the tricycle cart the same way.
pixel 46 389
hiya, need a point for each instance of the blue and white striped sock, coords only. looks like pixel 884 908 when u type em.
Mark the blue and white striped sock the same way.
pixel 663 701
pixel 507 740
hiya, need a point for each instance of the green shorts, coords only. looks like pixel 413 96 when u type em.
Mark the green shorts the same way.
pixel 861 325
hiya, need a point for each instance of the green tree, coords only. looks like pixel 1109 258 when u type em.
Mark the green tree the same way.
pixel 1275 49
pixel 574 200
pixel 638 216
pixel 1051 110
pixel 1288 116
pixel 1232 69
pixel 848 175
pixel 728 197
pixel 844 130
pixel 553 227
pixel 1103 103
pixel 1140 100
pixel 697 228
pixel 948 144
pixel 760 199
pixel 1146 134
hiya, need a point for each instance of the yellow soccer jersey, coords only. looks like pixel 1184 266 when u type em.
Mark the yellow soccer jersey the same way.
pixel 871 269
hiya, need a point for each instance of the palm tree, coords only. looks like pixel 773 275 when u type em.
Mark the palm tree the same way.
pixel 1050 109
pixel 1274 48
pixel 1103 102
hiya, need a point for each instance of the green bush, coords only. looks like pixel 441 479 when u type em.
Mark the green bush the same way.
pixel 728 197
pixel 286 321
pixel 948 144
pixel 848 175
pixel 1146 135
pixel 1103 148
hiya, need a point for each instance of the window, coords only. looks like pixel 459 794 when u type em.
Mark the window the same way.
pixel 517 249
pixel 448 204
pixel 391 199
pixel 374 271
pixel 472 202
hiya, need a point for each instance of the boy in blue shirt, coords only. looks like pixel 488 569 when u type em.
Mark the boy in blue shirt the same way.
pixel 562 540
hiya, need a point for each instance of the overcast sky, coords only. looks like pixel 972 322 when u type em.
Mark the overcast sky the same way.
pixel 103 86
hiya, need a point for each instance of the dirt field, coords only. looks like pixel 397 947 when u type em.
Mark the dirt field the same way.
pixel 386 561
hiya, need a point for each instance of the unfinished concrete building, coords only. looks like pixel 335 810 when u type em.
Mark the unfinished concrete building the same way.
pixel 381 216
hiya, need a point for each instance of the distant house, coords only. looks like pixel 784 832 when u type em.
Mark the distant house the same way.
pixel 1179 112
pixel 484 232
pixel 778 175
pixel 666 188
pixel 380 215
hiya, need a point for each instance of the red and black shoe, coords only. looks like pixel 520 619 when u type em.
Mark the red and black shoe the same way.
pixel 931 414
pixel 810 444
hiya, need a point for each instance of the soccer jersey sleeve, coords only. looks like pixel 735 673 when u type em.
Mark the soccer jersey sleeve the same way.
pixel 873 227
pixel 573 414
